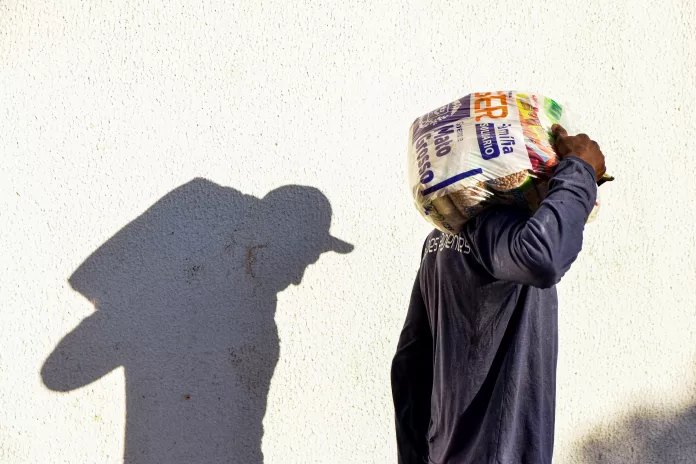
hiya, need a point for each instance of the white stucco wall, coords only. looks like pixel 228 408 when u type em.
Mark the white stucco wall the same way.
pixel 106 107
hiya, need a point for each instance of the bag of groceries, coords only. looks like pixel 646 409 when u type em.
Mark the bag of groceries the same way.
pixel 485 149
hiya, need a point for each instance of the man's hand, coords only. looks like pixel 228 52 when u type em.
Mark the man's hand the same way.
pixel 581 146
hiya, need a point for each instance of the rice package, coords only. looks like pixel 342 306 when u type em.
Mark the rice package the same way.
pixel 482 150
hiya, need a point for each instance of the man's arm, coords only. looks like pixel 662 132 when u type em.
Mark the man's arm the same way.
pixel 412 382
pixel 538 251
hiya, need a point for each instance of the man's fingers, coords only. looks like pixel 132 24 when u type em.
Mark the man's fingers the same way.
pixel 559 140
pixel 558 131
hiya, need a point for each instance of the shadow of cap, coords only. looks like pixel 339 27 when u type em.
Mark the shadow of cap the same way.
pixel 304 212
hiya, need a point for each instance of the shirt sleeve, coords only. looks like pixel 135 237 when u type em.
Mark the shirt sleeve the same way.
pixel 412 381
pixel 538 250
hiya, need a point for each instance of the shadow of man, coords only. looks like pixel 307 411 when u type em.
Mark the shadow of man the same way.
pixel 645 438
pixel 185 297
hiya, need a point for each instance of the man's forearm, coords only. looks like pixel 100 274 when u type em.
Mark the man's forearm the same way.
pixel 554 234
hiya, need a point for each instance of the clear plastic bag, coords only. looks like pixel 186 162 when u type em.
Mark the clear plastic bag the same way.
pixel 481 150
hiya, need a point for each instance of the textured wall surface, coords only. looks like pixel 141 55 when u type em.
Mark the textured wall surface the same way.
pixel 167 298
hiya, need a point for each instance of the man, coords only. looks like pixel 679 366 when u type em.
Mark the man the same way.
pixel 474 375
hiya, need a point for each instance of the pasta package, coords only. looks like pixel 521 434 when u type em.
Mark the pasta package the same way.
pixel 481 150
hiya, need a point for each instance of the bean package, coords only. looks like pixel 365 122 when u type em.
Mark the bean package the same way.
pixel 485 149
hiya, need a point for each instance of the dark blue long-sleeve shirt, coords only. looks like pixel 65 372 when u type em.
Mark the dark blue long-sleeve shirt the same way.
pixel 474 375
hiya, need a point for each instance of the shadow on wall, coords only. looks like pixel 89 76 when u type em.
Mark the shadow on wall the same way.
pixel 648 438
pixel 185 297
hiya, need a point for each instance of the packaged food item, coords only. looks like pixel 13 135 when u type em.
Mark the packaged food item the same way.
pixel 481 150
